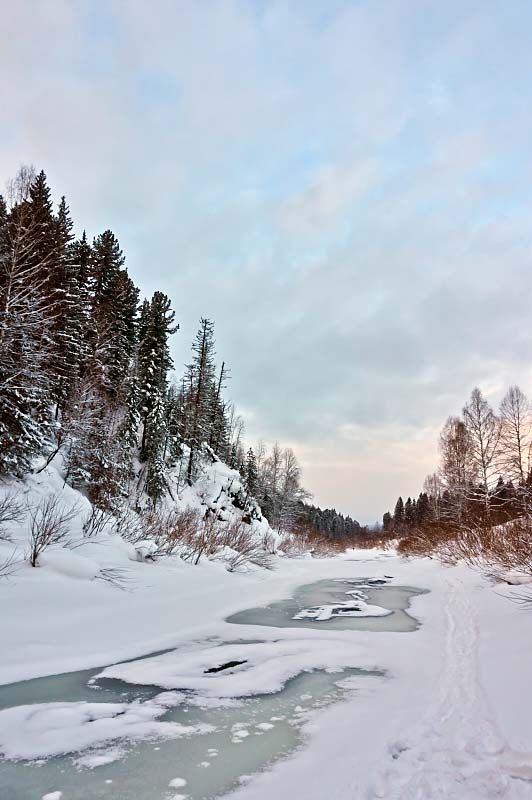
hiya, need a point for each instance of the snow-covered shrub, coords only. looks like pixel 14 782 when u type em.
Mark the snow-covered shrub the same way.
pixel 8 564
pixel 304 541
pixel 49 524
pixel 11 510
pixel 240 547
pixel 495 549
pixel 205 541
pixel 171 530
pixel 270 542
pixel 96 521
pixel 128 524
pixel 221 490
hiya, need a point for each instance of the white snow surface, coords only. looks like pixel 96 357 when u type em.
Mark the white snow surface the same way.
pixel 358 609
pixel 266 668
pixel 452 718
pixel 42 730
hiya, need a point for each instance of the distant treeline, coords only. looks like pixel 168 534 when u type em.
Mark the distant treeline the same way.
pixel 330 523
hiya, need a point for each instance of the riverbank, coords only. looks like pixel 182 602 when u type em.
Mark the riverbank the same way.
pixel 58 622
pixel 451 716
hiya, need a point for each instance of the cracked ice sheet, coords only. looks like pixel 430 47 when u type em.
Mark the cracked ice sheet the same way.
pixel 269 665
pixel 43 730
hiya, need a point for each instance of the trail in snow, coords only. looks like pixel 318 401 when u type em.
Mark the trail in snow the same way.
pixel 456 752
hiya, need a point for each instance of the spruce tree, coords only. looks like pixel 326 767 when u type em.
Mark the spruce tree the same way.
pixel 423 511
pixel 387 521
pixel 154 360
pixel 42 224
pixel 251 472
pixel 119 345
pixel 81 266
pixel 98 461
pixel 178 418
pixel 233 457
pixel 200 378
pixel 154 448
pixel 67 330
pixel 219 427
pixel 409 513
pixel 399 514
pixel 114 311
pixel 24 343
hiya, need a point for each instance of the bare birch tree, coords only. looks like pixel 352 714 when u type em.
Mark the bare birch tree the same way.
pixel 516 438
pixel 484 430
pixel 457 468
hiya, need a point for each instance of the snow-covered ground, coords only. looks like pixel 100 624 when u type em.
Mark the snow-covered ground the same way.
pixel 451 719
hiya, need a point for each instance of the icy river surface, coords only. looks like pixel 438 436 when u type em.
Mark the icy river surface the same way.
pixel 197 721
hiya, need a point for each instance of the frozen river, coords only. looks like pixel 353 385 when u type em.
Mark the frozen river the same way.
pixel 197 721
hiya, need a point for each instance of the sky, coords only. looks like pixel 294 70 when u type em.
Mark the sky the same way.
pixel 343 186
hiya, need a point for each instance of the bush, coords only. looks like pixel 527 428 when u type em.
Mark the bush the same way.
pixel 171 531
pixel 11 510
pixel 96 521
pixel 495 549
pixel 245 547
pixel 49 525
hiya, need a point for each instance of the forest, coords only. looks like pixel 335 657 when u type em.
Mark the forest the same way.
pixel 87 378
pixel 478 504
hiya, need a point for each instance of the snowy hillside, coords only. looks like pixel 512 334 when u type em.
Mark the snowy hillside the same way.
pixel 46 524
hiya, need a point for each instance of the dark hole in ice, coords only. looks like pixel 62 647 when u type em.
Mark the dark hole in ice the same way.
pixel 228 665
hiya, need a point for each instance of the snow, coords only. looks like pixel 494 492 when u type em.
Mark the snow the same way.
pixel 100 759
pixel 358 609
pixel 42 730
pixel 71 564
pixel 450 719
pixel 177 783
pixel 268 665
pixel 145 549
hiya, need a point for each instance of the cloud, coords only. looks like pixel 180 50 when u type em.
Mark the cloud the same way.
pixel 342 187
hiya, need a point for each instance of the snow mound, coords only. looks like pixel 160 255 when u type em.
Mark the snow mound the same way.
pixel 261 667
pixel 68 563
pixel 348 609
pixel 43 730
